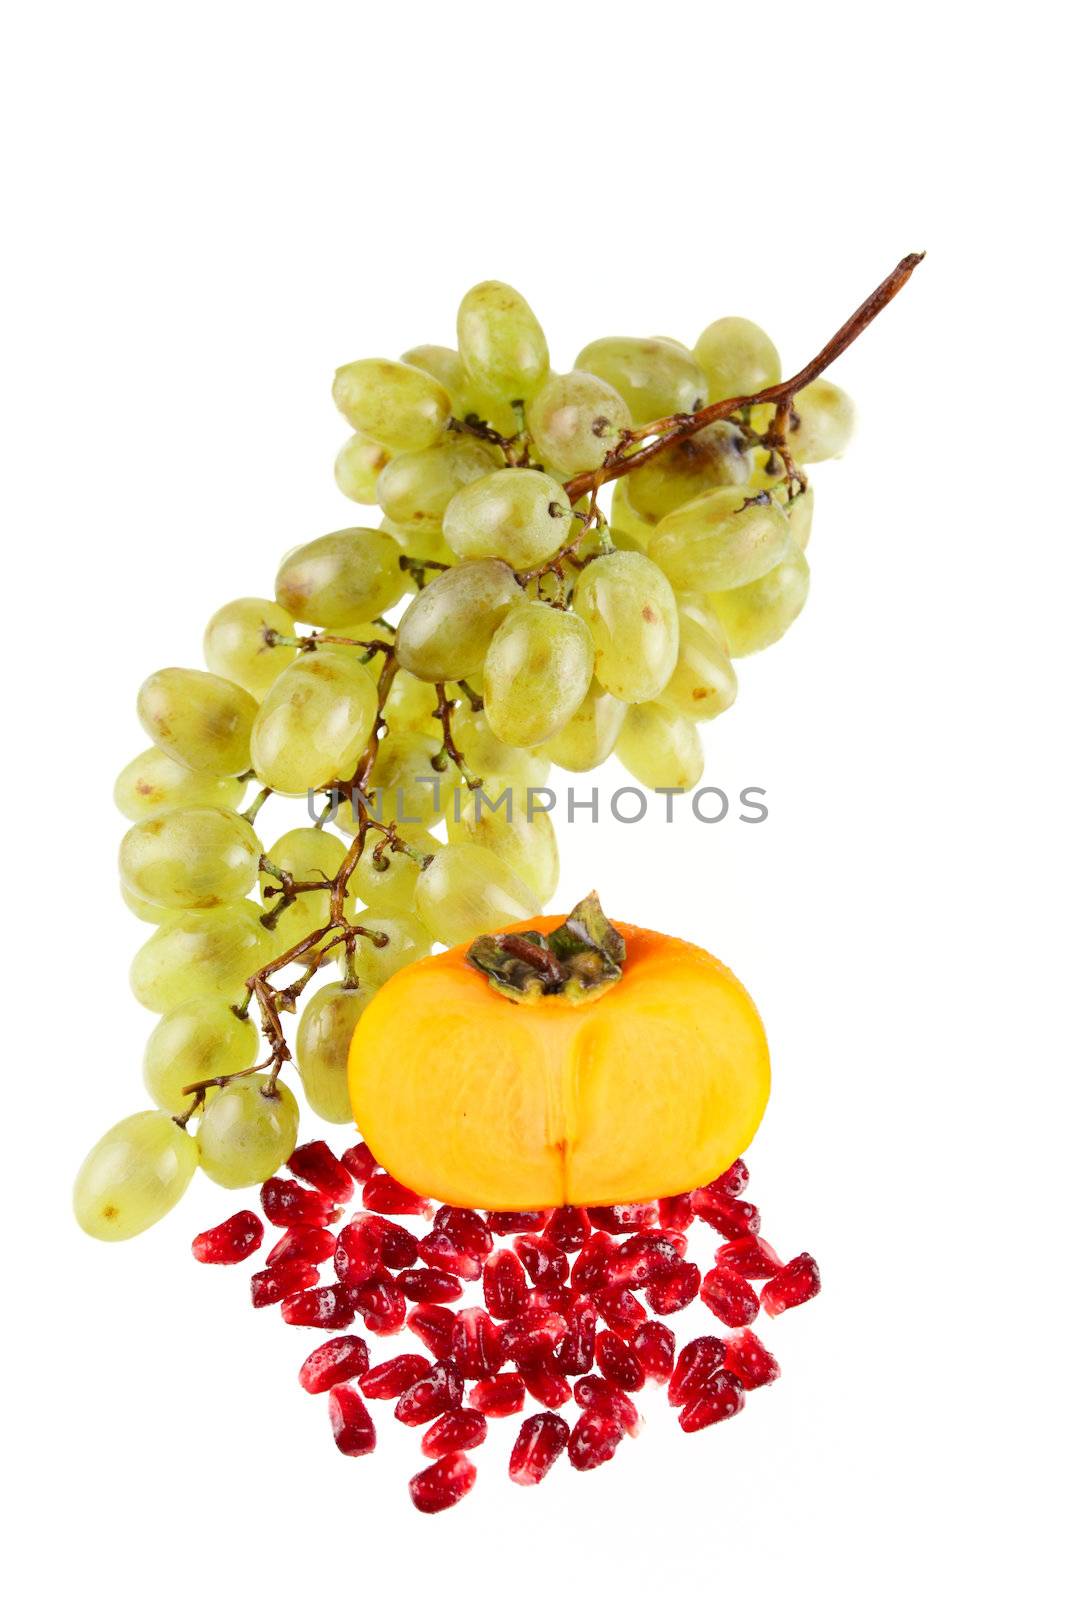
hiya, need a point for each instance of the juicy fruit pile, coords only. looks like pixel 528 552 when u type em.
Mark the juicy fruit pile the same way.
pixel 557 1316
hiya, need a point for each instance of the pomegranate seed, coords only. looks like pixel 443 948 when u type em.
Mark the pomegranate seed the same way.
pixel 454 1430
pixel 360 1162
pixel 231 1241
pixel 399 1247
pixel 358 1257
pixel 433 1325
pixel 653 1345
pixel 290 1205
pixel 617 1361
pixel 429 1285
pixel 720 1398
pixel 578 1345
pixel 567 1228
pixel 594 1439
pixel 732 1218
pixel 439 1251
pixel 440 1389
pixel 621 1310
pixel 504 1288
pixel 515 1221
pixel 382 1193
pixel 467 1230
pixel 390 1379
pixel 733 1181
pixel 674 1292
pixel 592 1266
pixel 555 1298
pixel 545 1263
pixel 797 1281
pixel 475 1343
pixel 334 1362
pixel 594 1393
pixel 540 1443
pixel 380 1304
pixel 303 1244
pixel 499 1396
pixel 546 1382
pixel 696 1363
pixel 330 1307
pixel 353 1430
pixel 623 1219
pixel 274 1283
pixel 642 1257
pixel 676 1212
pixel 748 1358
pixel 752 1257
pixel 531 1335
pixel 727 1295
pixel 316 1164
pixel 444 1483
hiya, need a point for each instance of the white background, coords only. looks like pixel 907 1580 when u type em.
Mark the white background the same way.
pixel 209 207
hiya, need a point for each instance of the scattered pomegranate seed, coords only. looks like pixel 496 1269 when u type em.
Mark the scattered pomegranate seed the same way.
pixel 545 1263
pixel 334 1362
pixel 532 1335
pixel 557 1297
pixel 467 1230
pixel 428 1285
pixel 546 1382
pixel 460 1429
pixel 732 1218
pixel 353 1430
pixel 316 1164
pixel 748 1358
pixel 382 1193
pixel 540 1443
pixel 674 1291
pixel 729 1297
pixel 504 1288
pixel 389 1379
pixel 797 1281
pixel 594 1393
pixel 440 1389
pixel 499 1396
pixel 592 1266
pixel 676 1212
pixel 329 1307
pixel 721 1397
pixel 444 1483
pixel 380 1304
pixel 358 1256
pixel 475 1343
pixel 399 1247
pixel 274 1283
pixel 440 1251
pixel 653 1345
pixel 621 1310
pixel 433 1325
pixel 360 1162
pixel 567 1228
pixel 578 1345
pixel 515 1221
pixel 594 1439
pixel 231 1241
pixel 733 1181
pixel 303 1244
pixel 752 1257
pixel 696 1363
pixel 617 1361
pixel 622 1219
pixel 643 1257
pixel 290 1205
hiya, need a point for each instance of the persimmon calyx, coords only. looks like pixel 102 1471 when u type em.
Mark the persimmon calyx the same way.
pixel 579 959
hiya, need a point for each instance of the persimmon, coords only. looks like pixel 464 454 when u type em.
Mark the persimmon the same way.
pixel 541 1066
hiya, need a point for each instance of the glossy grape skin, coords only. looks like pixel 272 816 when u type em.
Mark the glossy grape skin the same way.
pixel 704 683
pixel 823 420
pixel 402 407
pixel 501 343
pixel 133 1176
pixel 199 1039
pixel 327 1023
pixel 574 419
pixel 630 529
pixel 537 670
pixel 342 579
pixel 144 910
pixel 800 511
pixel 417 487
pixel 446 365
pixel 631 612
pixel 445 632
pixel 403 785
pixel 737 358
pixel 208 953
pixel 410 706
pixel 660 748
pixel 758 614
pixel 308 854
pixel 154 782
pixel 246 1134
pixel 527 844
pixel 719 542
pixel 518 515
pixel 387 884
pixel 408 940
pixel 314 723
pixel 589 737
pixel 489 757
pixel 467 890
pixel 356 469
pixel 199 719
pixel 655 377
pixel 236 647
pixel 713 458
pixel 190 859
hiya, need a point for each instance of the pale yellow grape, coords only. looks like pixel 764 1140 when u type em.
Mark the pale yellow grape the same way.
pixel 309 855
pixel 145 910
pixel 758 614
pixel 824 417
pixel 153 782
pixel 386 883
pixel 411 705
pixel 703 683
pixel 446 365
pixel 721 540
pixel 589 737
pixel 190 859
pixel 633 618
pixel 403 786
pixel 537 670
pixel 356 469
pixel 327 1024
pixel 445 632
pixel 467 890
pixel 655 377
pixel 501 342
pixel 630 529
pixel 660 748
pixel 574 419
pixel 402 407
pixel 713 458
pixel 800 511
pixel 200 953
pixel 237 645
pixel 737 358
pixel 489 757
pixel 133 1176
pixel 408 940
pixel 315 722
pixel 420 542
pixel 417 487
pixel 342 579
pixel 496 818
pixel 200 1039
pixel 247 1132
pixel 199 719
pixel 517 514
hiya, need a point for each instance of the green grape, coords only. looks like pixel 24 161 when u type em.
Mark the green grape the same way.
pixel 190 859
pixel 386 882
pixel 518 515
pixel 400 406
pixel 714 458
pixel 200 1039
pixel 660 748
pixel 417 487
pixel 632 615
pixel 153 782
pixel 133 1176
pixel 589 737
pixel 236 645
pixel 824 419
pixel 308 855
pixel 447 367
pixel 630 529
pixel 408 940
pixel 737 359
pixel 537 671
pixel 208 953
pixel 247 1132
pixel 757 614
pixel 721 540
pixel 704 682
pixel 356 469
pixel 467 890
pixel 800 511
pixel 411 705
pixel 326 1027
pixel 487 756
pixel 403 784
pixel 315 722
pixel 501 342
pixel 420 542
pixel 574 419
pixel 655 377
pixel 496 818
pixel 146 910
pixel 201 720
pixel 341 580
pixel 445 632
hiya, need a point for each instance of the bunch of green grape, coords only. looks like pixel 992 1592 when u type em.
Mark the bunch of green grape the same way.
pixel 550 632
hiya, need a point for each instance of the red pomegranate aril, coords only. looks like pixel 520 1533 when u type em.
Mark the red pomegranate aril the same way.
pixel 696 1363
pixel 675 1290
pixel 653 1345
pixel 353 1430
pixel 380 1304
pixel 360 1162
pixel 329 1307
pixel 546 1382
pixel 733 1181
pixel 577 1348
pixel 592 1265
pixel 334 1362
pixel 239 1237
pixel 594 1393
pixel 721 1397
pixel 443 1484
pixel 468 1231
pixel 732 1218
pixel 557 1297
pixel 623 1219
pixel 475 1343
pixel 642 1257
pixel 752 1257
pixel 290 1205
pixel 382 1193
pixel 621 1310
pixel 499 1396
pixel 531 1335
pixel 541 1441
pixel 515 1221
pixel 545 1263
pixel 748 1358
pixel 433 1325
pixel 442 1253
pixel 795 1283
pixel 504 1287
pixel 358 1256
pixel 461 1429
pixel 729 1297
pixel 428 1285
pixel 316 1164
pixel 617 1361
pixel 594 1439
pixel 390 1379
pixel 274 1283
pixel 676 1212
pixel 567 1228
pixel 440 1389
pixel 303 1244
pixel 399 1247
